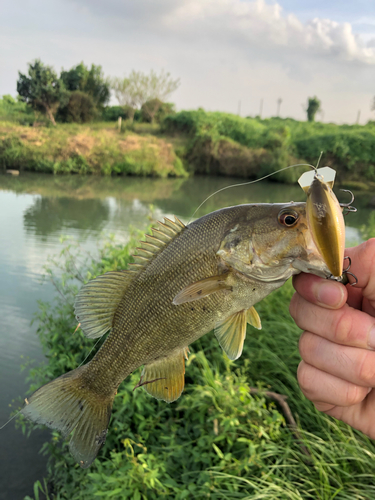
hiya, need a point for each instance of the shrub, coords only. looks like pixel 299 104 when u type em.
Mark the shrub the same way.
pixel 80 108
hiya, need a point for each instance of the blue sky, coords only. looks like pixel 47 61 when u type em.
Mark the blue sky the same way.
pixel 224 51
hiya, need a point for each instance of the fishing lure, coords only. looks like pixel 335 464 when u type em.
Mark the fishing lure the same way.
pixel 325 219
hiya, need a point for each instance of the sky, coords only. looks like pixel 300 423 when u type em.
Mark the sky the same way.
pixel 230 55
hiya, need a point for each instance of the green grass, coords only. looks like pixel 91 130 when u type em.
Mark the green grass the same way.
pixel 86 149
pixel 216 441
pixel 262 146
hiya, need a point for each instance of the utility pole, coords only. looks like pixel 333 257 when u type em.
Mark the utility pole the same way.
pixel 279 101
pixel 261 108
pixel 358 116
pixel 239 108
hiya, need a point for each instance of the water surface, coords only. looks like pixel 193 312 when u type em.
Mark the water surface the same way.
pixel 36 210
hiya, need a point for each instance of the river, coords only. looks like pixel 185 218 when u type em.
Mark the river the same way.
pixel 36 210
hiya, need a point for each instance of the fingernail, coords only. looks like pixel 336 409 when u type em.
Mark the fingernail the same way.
pixel 329 294
pixel 371 338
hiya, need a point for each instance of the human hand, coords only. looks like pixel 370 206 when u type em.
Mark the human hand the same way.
pixel 337 371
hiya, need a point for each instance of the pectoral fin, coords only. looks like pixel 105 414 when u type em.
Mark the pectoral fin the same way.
pixel 165 378
pixel 202 288
pixel 231 333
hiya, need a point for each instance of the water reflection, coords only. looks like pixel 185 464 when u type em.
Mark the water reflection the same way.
pixel 51 215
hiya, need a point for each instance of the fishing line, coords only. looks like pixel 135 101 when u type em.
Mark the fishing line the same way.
pixel 253 182
pixel 11 418
pixel 96 343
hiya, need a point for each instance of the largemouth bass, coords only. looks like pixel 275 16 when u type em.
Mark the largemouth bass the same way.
pixel 186 281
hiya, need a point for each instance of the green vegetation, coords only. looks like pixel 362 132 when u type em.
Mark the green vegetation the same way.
pixel 217 441
pixel 86 149
pixel 225 144
pixel 203 142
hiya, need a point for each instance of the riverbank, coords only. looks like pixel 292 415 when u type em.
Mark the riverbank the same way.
pixel 98 149
pixel 193 142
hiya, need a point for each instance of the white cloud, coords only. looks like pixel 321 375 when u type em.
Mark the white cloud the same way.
pixel 244 24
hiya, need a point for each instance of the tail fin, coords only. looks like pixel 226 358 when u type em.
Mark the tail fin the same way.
pixel 67 405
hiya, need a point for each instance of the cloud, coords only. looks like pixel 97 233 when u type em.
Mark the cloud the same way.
pixel 247 25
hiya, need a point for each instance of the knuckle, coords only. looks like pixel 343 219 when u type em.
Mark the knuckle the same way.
pixel 303 344
pixel 343 329
pixel 353 395
pixel 305 379
pixel 366 369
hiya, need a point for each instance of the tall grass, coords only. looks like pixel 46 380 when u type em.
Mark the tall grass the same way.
pixel 217 441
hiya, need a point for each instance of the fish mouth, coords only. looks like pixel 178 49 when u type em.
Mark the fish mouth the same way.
pixel 313 262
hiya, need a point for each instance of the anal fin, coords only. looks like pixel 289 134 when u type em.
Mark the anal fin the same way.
pixel 165 378
pixel 231 332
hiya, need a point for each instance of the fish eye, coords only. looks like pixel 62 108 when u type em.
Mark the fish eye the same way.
pixel 288 218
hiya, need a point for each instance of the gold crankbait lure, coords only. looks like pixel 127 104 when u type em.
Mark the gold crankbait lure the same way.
pixel 325 217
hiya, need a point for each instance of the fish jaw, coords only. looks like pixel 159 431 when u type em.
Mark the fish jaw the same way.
pixel 327 226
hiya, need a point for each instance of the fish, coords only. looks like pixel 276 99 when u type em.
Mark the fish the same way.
pixel 325 217
pixel 186 280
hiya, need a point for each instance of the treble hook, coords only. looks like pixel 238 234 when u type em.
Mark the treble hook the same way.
pixel 348 206
pixel 344 278
pixel 350 202
pixel 354 276
pixel 346 272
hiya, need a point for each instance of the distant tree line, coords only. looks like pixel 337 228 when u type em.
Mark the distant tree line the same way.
pixel 81 94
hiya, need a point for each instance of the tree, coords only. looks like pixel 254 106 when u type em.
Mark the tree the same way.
pixel 91 81
pixel 42 89
pixel 156 110
pixel 313 106
pixel 138 88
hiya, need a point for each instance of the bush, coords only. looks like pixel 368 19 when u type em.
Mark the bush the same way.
pixel 349 149
pixel 80 108
pixel 16 111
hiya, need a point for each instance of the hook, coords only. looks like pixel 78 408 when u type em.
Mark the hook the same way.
pixel 350 263
pixel 354 276
pixel 347 205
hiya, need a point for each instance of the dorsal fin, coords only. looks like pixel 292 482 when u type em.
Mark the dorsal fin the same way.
pixel 161 236
pixel 97 301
